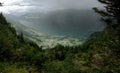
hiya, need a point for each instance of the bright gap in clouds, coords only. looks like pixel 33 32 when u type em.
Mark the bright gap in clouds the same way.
pixel 10 6
pixel 8 2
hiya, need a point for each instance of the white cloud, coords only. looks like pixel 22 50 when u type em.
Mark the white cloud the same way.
pixel 54 3
pixel 14 10
pixel 46 5
pixel 9 2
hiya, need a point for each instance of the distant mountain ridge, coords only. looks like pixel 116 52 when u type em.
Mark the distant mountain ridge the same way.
pixel 67 22
pixel 46 41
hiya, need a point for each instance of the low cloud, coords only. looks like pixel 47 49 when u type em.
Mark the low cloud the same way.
pixel 55 4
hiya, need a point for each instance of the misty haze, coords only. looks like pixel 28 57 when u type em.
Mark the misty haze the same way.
pixel 72 18
pixel 59 36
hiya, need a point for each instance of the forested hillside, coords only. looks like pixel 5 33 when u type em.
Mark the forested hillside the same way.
pixel 13 49
pixel 97 55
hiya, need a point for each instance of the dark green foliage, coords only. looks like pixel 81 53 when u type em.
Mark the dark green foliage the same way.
pixel 13 48
pixel 111 15
pixel 3 20
pixel 108 45
pixel 112 9
pixel 99 54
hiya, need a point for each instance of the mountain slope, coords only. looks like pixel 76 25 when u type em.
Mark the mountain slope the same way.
pixel 97 55
pixel 44 40
pixel 13 49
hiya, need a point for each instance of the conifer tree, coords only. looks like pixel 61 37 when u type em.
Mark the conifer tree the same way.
pixel 112 12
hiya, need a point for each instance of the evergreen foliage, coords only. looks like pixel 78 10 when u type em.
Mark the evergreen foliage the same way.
pixel 112 9
pixel 99 54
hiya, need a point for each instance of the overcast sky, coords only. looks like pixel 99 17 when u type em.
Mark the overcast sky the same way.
pixel 41 14
pixel 51 3
pixel 47 5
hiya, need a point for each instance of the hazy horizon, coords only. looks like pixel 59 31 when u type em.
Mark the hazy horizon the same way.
pixel 64 18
